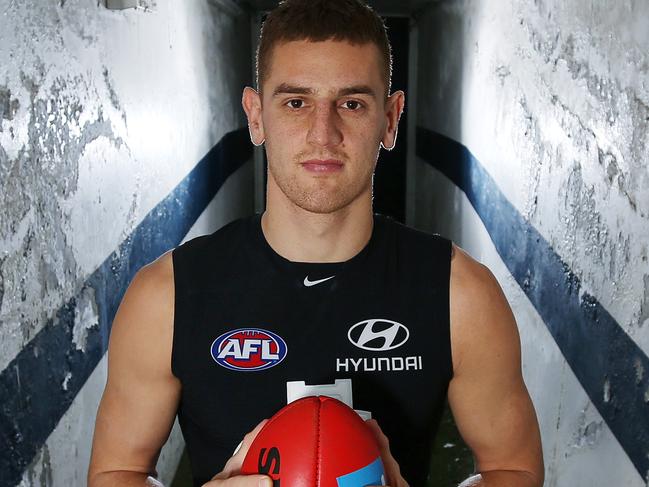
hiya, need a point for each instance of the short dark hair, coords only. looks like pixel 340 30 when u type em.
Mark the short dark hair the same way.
pixel 320 20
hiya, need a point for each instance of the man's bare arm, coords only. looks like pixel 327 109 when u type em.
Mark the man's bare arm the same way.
pixel 487 395
pixel 139 403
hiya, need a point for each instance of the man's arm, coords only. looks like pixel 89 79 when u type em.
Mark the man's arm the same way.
pixel 490 403
pixel 139 403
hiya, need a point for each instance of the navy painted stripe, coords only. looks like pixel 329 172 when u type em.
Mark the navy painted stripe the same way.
pixel 600 353
pixel 33 398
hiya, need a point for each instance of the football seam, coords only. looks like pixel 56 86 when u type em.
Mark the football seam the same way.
pixel 317 454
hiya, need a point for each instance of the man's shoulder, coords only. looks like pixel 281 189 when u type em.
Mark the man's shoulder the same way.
pixel 155 280
pixel 411 235
pixel 474 288
pixel 215 243
pixel 469 274
pixel 479 309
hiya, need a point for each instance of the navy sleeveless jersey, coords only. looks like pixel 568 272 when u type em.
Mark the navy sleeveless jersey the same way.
pixel 247 321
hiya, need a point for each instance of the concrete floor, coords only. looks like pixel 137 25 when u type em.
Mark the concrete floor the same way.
pixel 452 459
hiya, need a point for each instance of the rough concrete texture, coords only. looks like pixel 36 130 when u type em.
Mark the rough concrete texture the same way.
pixel 102 113
pixel 552 97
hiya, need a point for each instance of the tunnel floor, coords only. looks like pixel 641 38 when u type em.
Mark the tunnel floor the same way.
pixel 452 459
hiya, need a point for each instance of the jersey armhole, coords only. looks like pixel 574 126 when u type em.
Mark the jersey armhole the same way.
pixel 177 303
pixel 447 255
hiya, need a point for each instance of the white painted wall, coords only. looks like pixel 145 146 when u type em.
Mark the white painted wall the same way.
pixel 552 97
pixel 102 114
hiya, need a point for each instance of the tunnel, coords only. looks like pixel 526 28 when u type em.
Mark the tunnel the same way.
pixel 524 140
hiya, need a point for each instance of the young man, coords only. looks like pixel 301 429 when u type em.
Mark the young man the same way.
pixel 314 290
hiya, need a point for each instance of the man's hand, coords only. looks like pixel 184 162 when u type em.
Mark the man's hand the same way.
pixel 231 474
pixel 392 470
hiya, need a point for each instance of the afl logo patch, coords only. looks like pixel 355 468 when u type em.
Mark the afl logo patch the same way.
pixel 249 349
pixel 378 335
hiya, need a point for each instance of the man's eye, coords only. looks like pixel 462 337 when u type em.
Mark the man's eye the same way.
pixel 352 105
pixel 296 103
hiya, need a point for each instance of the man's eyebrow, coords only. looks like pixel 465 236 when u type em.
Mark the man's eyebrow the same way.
pixel 286 88
pixel 357 90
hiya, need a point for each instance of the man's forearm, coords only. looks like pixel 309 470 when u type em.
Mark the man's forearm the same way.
pixel 503 478
pixel 123 479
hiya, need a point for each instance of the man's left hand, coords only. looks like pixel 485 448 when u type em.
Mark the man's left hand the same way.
pixel 392 470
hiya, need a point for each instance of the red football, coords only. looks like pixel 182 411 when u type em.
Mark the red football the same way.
pixel 316 442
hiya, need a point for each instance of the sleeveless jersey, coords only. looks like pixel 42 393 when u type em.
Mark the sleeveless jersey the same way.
pixel 248 321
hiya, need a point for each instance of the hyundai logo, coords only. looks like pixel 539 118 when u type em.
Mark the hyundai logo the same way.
pixel 378 335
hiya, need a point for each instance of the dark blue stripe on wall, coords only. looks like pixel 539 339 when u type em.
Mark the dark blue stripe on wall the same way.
pixel 33 398
pixel 600 353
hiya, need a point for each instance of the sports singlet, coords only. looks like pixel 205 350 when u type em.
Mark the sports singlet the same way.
pixel 248 321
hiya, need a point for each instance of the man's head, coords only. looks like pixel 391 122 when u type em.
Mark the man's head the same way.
pixel 322 109
pixel 320 20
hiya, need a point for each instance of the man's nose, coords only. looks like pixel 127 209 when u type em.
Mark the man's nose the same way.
pixel 324 129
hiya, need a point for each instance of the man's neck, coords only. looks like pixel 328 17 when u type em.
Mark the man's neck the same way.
pixel 302 236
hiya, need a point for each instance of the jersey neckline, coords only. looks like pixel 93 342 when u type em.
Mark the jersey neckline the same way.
pixel 311 271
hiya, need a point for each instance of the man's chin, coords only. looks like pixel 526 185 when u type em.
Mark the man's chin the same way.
pixel 321 208
pixel 327 204
pixel 321 204
pixel 323 197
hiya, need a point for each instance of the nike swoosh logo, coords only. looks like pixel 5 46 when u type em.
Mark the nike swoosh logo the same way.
pixel 308 283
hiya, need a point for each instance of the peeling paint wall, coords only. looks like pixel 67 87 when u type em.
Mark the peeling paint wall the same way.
pixel 551 99
pixel 102 115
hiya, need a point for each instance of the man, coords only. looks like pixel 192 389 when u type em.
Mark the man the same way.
pixel 314 290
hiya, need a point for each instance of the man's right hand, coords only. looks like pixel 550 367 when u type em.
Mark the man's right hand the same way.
pixel 231 474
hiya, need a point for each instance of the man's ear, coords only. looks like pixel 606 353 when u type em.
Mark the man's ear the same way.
pixel 251 102
pixel 393 110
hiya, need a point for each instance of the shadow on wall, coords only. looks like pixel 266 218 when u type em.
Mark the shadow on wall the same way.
pixel 390 174
pixel 223 80
pixel 440 74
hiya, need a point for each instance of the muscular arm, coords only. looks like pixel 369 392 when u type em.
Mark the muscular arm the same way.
pixel 487 395
pixel 139 403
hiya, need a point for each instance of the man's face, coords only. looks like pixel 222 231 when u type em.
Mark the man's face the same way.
pixel 323 114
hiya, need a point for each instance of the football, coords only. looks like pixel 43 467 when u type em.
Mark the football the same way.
pixel 316 441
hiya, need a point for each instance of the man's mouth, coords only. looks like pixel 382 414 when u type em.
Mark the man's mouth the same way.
pixel 322 165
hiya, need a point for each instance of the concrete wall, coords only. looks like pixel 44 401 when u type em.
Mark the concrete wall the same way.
pixel 533 154
pixel 113 149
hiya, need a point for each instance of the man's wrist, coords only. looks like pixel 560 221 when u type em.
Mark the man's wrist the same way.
pixel 502 478
pixel 123 479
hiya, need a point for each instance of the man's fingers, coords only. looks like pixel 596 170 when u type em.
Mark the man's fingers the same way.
pixel 241 481
pixel 233 465
pixel 380 437
pixel 392 470
pixel 249 438
pixel 242 450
